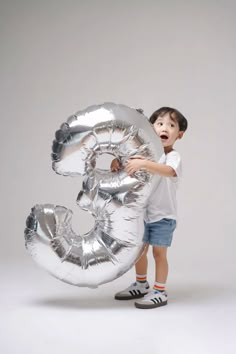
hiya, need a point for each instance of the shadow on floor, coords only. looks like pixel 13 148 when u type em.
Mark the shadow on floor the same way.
pixel 194 294
pixel 82 302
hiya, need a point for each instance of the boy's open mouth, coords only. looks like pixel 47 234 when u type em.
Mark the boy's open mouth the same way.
pixel 164 136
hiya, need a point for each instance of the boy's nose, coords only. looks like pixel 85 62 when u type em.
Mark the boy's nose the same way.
pixel 164 126
pixel 164 129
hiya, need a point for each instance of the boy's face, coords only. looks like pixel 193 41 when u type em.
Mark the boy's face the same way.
pixel 167 128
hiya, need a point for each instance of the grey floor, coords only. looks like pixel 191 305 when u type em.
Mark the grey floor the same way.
pixel 40 315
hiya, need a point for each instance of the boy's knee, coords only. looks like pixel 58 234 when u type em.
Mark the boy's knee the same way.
pixel 159 253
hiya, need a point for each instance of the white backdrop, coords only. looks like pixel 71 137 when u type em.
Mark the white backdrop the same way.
pixel 58 57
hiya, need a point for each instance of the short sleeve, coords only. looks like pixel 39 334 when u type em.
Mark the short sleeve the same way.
pixel 173 160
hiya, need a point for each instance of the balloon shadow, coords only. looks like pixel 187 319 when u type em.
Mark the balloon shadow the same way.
pixel 83 303
pixel 193 295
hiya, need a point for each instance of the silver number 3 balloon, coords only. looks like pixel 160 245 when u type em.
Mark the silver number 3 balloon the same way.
pixel 116 200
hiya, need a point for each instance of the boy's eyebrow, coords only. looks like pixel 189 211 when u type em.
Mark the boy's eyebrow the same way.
pixel 173 119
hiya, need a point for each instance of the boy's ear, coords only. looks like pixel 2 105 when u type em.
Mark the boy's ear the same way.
pixel 181 133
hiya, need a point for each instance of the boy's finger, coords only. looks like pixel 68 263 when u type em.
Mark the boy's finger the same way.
pixel 136 157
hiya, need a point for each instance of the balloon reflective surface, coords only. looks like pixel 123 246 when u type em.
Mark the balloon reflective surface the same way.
pixel 115 200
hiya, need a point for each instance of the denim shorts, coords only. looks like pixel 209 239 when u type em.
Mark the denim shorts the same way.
pixel 159 233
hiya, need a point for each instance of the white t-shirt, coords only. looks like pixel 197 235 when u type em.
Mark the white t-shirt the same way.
pixel 162 201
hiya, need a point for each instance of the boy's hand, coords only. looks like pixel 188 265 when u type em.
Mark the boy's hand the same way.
pixel 134 164
pixel 115 165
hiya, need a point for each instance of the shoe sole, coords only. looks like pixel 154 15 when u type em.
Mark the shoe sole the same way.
pixel 151 306
pixel 129 297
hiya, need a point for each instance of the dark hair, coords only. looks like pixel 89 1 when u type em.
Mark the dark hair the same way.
pixel 174 114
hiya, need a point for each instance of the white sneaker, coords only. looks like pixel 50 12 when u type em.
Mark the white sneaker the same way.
pixel 153 299
pixel 134 291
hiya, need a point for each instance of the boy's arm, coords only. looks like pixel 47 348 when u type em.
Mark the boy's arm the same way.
pixel 159 169
pixel 134 165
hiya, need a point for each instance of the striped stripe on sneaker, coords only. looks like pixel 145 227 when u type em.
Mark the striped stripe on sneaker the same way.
pixel 134 291
pixel 152 300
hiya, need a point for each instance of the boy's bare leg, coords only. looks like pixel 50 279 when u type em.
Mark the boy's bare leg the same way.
pixel 158 297
pixel 142 264
pixel 160 256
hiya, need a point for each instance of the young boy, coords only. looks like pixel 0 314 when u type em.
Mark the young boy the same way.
pixel 161 212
